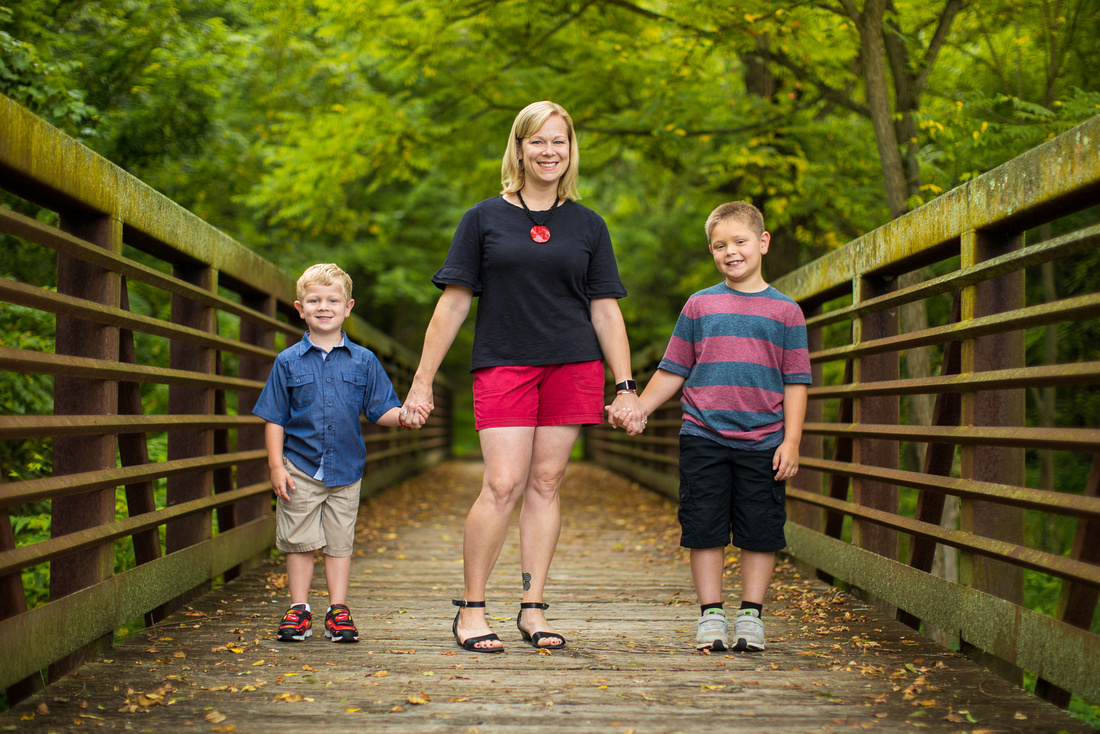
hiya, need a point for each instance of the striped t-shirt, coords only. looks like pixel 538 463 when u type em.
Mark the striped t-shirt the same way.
pixel 737 351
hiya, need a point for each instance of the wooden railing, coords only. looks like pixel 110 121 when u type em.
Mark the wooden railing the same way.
pixel 997 291
pixel 136 274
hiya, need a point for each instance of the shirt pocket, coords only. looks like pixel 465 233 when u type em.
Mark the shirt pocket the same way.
pixel 355 386
pixel 302 390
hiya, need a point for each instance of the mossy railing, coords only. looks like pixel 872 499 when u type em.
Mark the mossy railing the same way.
pixel 136 274
pixel 940 344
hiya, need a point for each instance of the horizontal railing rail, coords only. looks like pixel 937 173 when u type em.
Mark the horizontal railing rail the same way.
pixel 151 336
pixel 955 359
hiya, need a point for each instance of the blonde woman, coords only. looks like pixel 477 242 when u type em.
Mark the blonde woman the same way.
pixel 543 270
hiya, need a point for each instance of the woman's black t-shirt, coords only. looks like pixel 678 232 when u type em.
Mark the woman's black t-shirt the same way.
pixel 533 299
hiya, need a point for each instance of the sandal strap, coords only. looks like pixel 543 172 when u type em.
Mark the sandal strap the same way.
pixel 553 636
pixel 533 605
pixel 464 604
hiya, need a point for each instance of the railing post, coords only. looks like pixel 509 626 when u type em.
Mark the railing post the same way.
pixel 812 445
pixel 875 411
pixel 992 408
pixel 182 400
pixel 249 438
pixel 133 450
pixel 13 601
pixel 82 396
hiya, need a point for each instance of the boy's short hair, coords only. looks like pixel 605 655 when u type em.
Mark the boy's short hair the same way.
pixel 742 211
pixel 324 274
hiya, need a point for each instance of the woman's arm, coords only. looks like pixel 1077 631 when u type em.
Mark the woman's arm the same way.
pixel 610 328
pixel 450 312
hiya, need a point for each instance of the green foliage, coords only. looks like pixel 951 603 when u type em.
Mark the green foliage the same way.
pixel 360 130
pixel 26 394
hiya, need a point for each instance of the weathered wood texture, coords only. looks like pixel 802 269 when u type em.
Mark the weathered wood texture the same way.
pixel 620 592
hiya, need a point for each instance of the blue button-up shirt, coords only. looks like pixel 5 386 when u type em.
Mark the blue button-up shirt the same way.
pixel 318 400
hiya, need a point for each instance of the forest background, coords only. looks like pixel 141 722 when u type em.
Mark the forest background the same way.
pixel 359 131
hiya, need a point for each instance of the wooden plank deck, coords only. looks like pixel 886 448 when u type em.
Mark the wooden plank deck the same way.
pixel 620 592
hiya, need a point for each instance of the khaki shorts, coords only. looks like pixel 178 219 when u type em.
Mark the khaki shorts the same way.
pixel 316 516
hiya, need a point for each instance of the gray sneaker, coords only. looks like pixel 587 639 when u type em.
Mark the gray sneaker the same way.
pixel 713 631
pixel 748 631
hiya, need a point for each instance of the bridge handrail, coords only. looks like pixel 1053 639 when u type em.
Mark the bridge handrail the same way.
pixel 111 234
pixel 844 515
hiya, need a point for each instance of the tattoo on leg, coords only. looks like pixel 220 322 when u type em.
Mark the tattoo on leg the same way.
pixel 526 582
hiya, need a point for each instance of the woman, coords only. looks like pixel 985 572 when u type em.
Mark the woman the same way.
pixel 544 272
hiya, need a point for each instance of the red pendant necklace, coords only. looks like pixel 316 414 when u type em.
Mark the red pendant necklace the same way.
pixel 539 233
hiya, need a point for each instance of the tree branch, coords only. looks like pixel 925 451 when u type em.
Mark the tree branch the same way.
pixel 950 9
pixel 830 93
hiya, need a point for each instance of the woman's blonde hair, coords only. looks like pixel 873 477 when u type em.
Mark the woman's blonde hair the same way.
pixel 528 122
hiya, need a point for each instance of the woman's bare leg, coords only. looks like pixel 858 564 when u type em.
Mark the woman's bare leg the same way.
pixel 540 517
pixel 507 453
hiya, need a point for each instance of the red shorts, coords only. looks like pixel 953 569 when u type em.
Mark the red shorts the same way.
pixel 543 395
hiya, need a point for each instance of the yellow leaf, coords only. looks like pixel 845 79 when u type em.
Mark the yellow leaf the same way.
pixel 381 674
pixel 231 727
pixel 420 700
pixel 215 717
pixel 350 711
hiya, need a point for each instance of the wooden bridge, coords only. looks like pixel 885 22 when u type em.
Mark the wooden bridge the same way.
pixel 620 591
pixel 889 451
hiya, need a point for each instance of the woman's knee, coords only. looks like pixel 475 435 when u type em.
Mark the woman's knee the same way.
pixel 501 489
pixel 545 484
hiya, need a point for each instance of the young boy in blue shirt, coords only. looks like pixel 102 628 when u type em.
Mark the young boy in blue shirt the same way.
pixel 312 401
pixel 739 353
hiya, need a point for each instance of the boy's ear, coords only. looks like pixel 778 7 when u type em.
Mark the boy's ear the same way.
pixel 347 309
pixel 298 307
pixel 765 240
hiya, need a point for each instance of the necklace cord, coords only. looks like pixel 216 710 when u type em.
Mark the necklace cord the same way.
pixel 531 216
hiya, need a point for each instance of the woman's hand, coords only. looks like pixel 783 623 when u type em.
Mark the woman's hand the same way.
pixel 417 407
pixel 628 412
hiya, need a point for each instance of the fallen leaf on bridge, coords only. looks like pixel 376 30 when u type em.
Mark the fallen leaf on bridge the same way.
pixel 215 717
pixel 420 700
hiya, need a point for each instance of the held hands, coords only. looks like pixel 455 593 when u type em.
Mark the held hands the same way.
pixel 627 412
pixel 415 417
pixel 418 406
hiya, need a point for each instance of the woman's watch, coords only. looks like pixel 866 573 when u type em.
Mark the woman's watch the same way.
pixel 626 386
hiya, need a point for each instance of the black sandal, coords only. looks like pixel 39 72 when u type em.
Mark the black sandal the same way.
pixel 538 637
pixel 470 643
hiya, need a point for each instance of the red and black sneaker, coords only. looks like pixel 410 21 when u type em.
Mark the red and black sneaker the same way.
pixel 338 624
pixel 297 625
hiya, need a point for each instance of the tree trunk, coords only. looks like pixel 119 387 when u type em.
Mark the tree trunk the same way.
pixel 872 52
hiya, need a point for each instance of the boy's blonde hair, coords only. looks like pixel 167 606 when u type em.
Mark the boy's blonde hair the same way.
pixel 528 122
pixel 324 274
pixel 742 211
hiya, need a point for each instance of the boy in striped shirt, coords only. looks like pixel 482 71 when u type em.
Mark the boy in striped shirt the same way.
pixel 739 353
